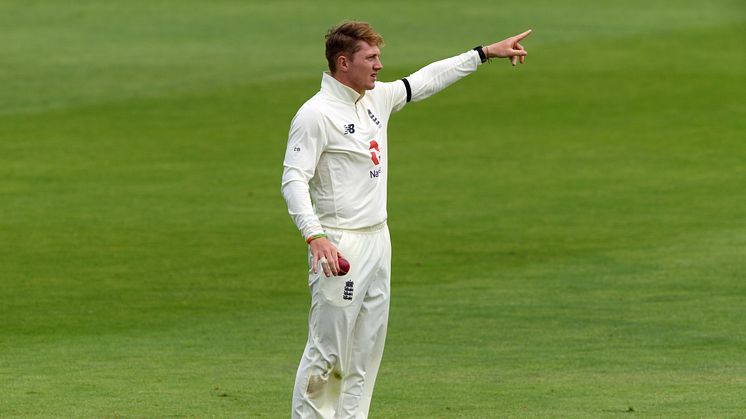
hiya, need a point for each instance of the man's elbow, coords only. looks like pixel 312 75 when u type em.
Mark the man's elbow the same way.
pixel 291 188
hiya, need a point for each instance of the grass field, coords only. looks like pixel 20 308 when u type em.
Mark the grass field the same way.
pixel 569 237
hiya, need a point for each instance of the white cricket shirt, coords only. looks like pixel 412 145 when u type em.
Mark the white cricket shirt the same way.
pixel 336 162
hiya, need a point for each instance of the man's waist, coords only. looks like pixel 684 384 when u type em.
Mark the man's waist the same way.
pixel 368 229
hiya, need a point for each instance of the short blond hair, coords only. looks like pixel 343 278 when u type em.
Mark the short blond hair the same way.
pixel 344 39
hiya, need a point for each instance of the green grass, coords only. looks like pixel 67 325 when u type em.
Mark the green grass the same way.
pixel 569 236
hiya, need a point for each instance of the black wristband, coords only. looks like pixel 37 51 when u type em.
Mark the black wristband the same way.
pixel 481 53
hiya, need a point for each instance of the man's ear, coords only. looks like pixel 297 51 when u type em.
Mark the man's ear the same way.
pixel 343 63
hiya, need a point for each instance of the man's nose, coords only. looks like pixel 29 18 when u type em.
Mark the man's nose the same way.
pixel 378 65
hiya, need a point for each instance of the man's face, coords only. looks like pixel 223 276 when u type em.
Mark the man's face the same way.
pixel 364 67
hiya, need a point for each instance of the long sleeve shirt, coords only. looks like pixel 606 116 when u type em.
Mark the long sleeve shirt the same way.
pixel 336 161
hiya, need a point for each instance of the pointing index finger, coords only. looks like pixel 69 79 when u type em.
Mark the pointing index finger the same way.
pixel 522 35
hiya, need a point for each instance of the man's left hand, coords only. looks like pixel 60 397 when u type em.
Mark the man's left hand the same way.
pixel 508 48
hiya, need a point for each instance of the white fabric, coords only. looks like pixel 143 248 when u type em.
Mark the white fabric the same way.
pixel 337 152
pixel 338 369
pixel 437 76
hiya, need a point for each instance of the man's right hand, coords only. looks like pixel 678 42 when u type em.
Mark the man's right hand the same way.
pixel 323 250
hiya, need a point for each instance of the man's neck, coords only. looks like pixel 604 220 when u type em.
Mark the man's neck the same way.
pixel 346 82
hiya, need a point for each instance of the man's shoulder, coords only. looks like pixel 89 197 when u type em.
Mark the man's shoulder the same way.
pixel 385 89
pixel 387 85
pixel 314 106
pixel 312 111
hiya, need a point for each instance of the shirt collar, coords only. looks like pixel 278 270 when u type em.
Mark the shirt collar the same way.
pixel 334 88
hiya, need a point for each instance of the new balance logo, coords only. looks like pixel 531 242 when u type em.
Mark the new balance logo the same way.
pixel 349 129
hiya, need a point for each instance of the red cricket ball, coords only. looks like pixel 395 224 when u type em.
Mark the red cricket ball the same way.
pixel 344 266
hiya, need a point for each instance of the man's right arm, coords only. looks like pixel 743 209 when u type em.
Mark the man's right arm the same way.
pixel 306 141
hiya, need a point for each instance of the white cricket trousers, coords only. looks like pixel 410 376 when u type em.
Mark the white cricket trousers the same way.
pixel 346 328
